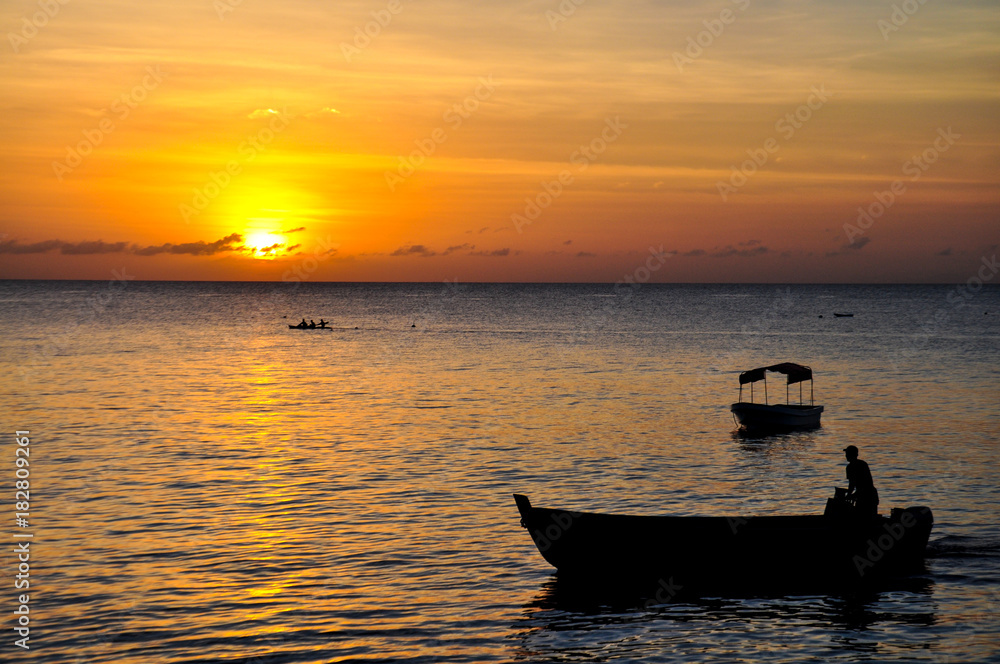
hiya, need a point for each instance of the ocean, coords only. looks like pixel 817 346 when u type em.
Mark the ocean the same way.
pixel 207 485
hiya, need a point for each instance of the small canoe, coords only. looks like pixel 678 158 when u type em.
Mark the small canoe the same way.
pixel 296 327
pixel 843 315
pixel 838 544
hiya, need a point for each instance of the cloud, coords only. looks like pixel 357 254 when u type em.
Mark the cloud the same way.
pixel 853 245
pixel 414 250
pixel 567 243
pixel 95 247
pixel 732 252
pixel 749 249
pixel 263 113
pixel 69 248
pixel 201 248
pixel 944 252
pixel 585 254
pixel 496 253
pixel 90 247
pixel 15 247
pixel 458 247
pixel 293 230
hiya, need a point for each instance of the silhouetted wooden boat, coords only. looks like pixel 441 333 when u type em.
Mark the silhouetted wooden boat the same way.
pixel 837 545
pixel 843 315
pixel 296 327
pixel 777 417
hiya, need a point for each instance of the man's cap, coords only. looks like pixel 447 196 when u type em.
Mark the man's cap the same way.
pixel 851 448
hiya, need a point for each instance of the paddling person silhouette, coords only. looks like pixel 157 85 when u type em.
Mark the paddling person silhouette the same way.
pixel 322 323
pixel 312 324
pixel 303 324
pixel 860 486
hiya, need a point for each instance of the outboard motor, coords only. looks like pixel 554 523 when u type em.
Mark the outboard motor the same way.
pixel 839 505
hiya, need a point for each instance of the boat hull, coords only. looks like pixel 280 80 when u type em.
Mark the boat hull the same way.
pixel 296 327
pixel 787 417
pixel 835 546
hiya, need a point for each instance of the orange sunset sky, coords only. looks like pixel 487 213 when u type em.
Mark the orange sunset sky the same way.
pixel 421 140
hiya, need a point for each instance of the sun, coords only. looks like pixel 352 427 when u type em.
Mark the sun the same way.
pixel 264 244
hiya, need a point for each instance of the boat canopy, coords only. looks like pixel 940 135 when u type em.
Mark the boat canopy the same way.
pixel 796 373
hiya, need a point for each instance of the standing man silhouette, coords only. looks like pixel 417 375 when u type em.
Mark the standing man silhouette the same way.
pixel 860 486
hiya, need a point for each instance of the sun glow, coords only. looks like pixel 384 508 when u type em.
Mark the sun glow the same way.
pixel 263 244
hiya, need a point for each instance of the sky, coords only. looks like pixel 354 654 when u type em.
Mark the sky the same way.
pixel 524 140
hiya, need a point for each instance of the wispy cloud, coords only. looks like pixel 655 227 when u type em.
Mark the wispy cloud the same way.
pixel 747 249
pixel 233 242
pixel 850 247
pixel 732 252
pixel 414 250
pixel 496 253
pixel 263 113
pixel 68 248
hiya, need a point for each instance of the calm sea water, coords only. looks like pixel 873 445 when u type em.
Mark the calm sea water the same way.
pixel 210 486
